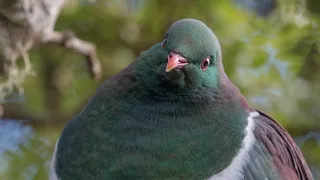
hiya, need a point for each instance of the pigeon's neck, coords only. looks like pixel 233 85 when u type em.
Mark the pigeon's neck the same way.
pixel 195 130
pixel 222 92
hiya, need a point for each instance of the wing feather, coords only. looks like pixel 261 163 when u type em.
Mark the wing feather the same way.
pixel 285 154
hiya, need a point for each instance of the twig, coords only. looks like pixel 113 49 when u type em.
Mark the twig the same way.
pixel 16 76
pixel 68 40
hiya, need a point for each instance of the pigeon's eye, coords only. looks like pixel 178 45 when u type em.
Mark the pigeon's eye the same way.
pixel 205 63
pixel 164 42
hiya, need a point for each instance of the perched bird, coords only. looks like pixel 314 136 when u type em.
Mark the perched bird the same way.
pixel 174 114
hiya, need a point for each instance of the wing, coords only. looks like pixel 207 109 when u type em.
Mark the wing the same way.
pixel 276 150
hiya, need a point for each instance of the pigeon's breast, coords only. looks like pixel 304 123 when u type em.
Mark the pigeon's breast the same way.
pixel 144 136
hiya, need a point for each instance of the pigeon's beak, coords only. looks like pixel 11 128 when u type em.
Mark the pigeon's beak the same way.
pixel 175 61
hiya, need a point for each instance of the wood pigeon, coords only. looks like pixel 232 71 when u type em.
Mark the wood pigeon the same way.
pixel 174 114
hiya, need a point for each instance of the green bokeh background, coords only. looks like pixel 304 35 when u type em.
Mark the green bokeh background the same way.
pixel 274 60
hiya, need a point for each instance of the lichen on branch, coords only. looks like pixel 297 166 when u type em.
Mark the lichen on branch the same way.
pixel 28 23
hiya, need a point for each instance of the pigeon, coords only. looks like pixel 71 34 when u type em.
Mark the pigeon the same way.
pixel 173 113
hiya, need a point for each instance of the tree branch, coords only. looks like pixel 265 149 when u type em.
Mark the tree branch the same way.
pixel 68 40
pixel 24 25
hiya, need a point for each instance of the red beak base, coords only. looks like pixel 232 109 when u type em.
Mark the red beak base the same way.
pixel 175 61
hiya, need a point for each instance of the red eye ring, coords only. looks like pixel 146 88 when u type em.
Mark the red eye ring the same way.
pixel 205 63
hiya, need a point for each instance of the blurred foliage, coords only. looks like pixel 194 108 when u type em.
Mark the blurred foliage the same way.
pixel 274 60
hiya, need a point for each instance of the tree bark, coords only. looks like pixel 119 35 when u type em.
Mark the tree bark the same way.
pixel 26 23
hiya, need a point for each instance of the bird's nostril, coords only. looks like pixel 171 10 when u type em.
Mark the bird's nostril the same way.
pixel 183 61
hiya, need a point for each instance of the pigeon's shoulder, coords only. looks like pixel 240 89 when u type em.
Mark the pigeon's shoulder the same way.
pixel 285 155
pixel 267 152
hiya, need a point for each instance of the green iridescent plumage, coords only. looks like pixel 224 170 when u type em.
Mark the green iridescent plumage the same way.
pixel 146 123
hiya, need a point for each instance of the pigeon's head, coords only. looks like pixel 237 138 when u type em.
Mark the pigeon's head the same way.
pixel 193 55
pixel 189 56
